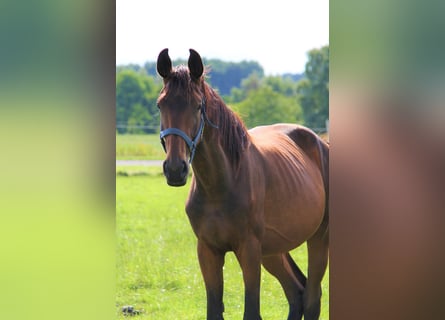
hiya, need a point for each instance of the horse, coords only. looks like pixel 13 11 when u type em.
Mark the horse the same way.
pixel 258 193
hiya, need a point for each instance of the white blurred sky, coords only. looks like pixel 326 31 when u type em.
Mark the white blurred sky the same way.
pixel 277 34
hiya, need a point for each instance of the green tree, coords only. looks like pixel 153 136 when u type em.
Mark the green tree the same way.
pixel 223 75
pixel 265 106
pixel 283 85
pixel 313 89
pixel 136 95
pixel 253 82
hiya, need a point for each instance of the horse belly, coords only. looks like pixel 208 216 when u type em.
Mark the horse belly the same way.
pixel 295 229
pixel 292 215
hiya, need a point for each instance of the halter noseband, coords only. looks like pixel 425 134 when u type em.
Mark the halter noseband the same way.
pixel 192 144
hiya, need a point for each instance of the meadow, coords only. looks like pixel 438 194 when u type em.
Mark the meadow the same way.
pixel 138 147
pixel 157 267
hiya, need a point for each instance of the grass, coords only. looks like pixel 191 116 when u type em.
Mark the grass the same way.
pixel 138 147
pixel 157 267
pixel 129 171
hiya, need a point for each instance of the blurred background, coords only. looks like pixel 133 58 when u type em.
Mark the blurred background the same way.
pixel 57 88
pixel 387 159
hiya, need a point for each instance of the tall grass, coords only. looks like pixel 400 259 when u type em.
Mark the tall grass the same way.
pixel 157 267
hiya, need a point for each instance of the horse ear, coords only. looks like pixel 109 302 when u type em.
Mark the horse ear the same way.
pixel 195 65
pixel 164 64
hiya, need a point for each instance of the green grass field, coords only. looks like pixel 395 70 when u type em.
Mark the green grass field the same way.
pixel 138 147
pixel 157 267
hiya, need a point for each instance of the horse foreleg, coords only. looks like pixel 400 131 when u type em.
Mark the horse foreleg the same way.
pixel 249 258
pixel 211 263
pixel 318 250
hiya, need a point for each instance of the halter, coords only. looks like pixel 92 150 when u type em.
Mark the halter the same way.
pixel 192 144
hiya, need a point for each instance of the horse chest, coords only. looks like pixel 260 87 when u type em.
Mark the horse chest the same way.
pixel 219 223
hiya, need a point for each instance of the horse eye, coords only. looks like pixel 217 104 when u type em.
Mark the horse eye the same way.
pixel 157 105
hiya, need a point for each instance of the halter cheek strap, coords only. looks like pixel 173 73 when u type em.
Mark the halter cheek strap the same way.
pixel 192 144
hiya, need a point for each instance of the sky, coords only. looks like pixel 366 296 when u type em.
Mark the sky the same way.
pixel 277 34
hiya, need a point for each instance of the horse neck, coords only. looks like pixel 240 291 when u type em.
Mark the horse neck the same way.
pixel 211 167
pixel 214 166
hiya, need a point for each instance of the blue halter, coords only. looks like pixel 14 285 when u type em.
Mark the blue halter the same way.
pixel 192 144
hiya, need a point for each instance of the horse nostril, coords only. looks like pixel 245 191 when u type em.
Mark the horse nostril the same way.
pixel 164 166
pixel 175 170
pixel 184 169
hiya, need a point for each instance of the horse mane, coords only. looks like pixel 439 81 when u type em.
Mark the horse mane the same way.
pixel 232 133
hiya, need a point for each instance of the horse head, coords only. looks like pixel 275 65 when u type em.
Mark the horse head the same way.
pixel 182 112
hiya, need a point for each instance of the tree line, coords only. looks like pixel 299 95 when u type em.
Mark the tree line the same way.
pixel 258 99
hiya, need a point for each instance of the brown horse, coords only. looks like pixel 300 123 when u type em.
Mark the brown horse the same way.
pixel 259 193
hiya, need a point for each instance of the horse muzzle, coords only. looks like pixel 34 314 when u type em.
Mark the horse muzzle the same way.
pixel 176 172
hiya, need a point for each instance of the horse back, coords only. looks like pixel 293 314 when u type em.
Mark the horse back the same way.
pixel 309 142
pixel 316 149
